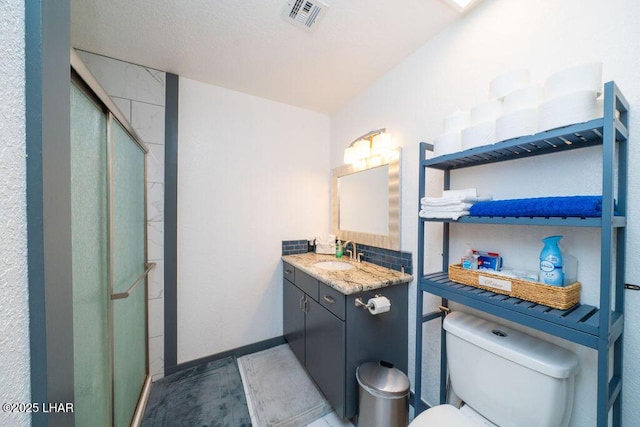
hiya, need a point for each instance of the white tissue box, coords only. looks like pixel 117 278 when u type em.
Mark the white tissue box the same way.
pixel 326 248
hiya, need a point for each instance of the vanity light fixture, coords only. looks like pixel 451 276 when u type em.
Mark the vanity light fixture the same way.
pixel 381 144
pixel 462 5
pixel 358 150
pixel 370 149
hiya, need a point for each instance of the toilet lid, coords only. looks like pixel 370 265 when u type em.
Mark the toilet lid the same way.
pixel 442 415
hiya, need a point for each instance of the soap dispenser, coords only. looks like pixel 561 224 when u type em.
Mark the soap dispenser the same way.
pixel 551 262
pixel 468 260
pixel 339 249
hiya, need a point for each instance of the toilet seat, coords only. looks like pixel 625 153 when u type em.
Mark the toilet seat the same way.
pixel 442 415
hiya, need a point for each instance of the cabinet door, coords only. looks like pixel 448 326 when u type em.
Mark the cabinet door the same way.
pixel 325 335
pixel 293 319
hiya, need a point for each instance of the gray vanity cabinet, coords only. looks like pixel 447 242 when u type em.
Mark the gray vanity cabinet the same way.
pixel 315 335
pixel 294 319
pixel 331 336
pixel 325 345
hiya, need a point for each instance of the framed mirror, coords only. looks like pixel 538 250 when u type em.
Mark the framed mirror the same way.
pixel 366 203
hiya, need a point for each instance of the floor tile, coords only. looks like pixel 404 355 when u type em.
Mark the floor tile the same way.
pixel 320 422
pixel 330 420
pixel 333 420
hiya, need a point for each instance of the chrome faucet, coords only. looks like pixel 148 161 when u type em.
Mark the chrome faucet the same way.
pixel 354 253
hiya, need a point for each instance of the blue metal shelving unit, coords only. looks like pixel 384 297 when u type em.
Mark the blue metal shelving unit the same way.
pixel 599 328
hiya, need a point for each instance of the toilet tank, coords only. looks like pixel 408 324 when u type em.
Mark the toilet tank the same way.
pixel 511 378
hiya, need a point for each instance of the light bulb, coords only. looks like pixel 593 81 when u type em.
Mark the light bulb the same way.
pixel 381 143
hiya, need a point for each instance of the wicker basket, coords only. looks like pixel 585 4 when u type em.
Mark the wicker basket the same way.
pixel 560 297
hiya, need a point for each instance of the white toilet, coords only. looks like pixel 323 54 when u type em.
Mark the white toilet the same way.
pixel 503 377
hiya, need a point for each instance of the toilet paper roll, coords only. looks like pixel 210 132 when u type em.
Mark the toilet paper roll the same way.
pixel 527 97
pixel 486 112
pixel 517 123
pixel 379 305
pixel 506 83
pixel 575 107
pixel 480 134
pixel 583 77
pixel 456 121
pixel 448 143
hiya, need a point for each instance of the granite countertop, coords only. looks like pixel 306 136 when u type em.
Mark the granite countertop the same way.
pixel 364 276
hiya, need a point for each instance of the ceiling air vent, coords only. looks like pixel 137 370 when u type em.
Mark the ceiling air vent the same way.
pixel 304 13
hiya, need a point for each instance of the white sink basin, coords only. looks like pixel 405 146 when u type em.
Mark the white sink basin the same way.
pixel 333 265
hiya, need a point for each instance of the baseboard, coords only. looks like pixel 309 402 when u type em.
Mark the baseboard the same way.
pixel 236 352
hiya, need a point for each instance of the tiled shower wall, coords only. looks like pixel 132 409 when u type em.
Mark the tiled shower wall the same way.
pixel 139 94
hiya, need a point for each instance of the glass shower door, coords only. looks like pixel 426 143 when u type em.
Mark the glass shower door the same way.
pixel 109 264
pixel 89 225
pixel 128 272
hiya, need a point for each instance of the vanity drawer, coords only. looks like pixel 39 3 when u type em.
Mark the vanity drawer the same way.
pixel 288 272
pixel 332 300
pixel 307 283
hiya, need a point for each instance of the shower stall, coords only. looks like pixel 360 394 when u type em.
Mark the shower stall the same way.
pixel 109 259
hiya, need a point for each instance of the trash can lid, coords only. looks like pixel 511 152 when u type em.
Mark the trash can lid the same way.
pixel 383 378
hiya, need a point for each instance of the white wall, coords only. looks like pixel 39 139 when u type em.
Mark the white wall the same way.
pixel 139 94
pixel 251 173
pixel 14 315
pixel 453 72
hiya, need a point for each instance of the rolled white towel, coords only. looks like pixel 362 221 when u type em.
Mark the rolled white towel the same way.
pixel 447 208
pixel 442 214
pixel 451 196
pixel 441 201
pixel 445 201
pixel 467 192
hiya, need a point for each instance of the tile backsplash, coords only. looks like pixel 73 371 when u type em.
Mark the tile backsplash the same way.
pixel 388 258
pixel 291 247
pixel 394 260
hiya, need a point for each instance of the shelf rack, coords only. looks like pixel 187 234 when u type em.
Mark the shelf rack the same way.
pixel 599 328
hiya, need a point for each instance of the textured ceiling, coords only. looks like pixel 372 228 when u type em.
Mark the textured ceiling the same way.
pixel 247 46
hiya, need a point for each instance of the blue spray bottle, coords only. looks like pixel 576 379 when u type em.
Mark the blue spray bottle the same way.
pixel 551 262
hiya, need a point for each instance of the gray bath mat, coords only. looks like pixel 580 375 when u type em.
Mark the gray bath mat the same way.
pixel 205 396
pixel 280 392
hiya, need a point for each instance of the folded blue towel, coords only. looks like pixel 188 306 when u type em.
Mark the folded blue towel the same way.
pixel 569 206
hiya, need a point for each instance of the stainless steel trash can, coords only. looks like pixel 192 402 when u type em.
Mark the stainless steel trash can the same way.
pixel 383 394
